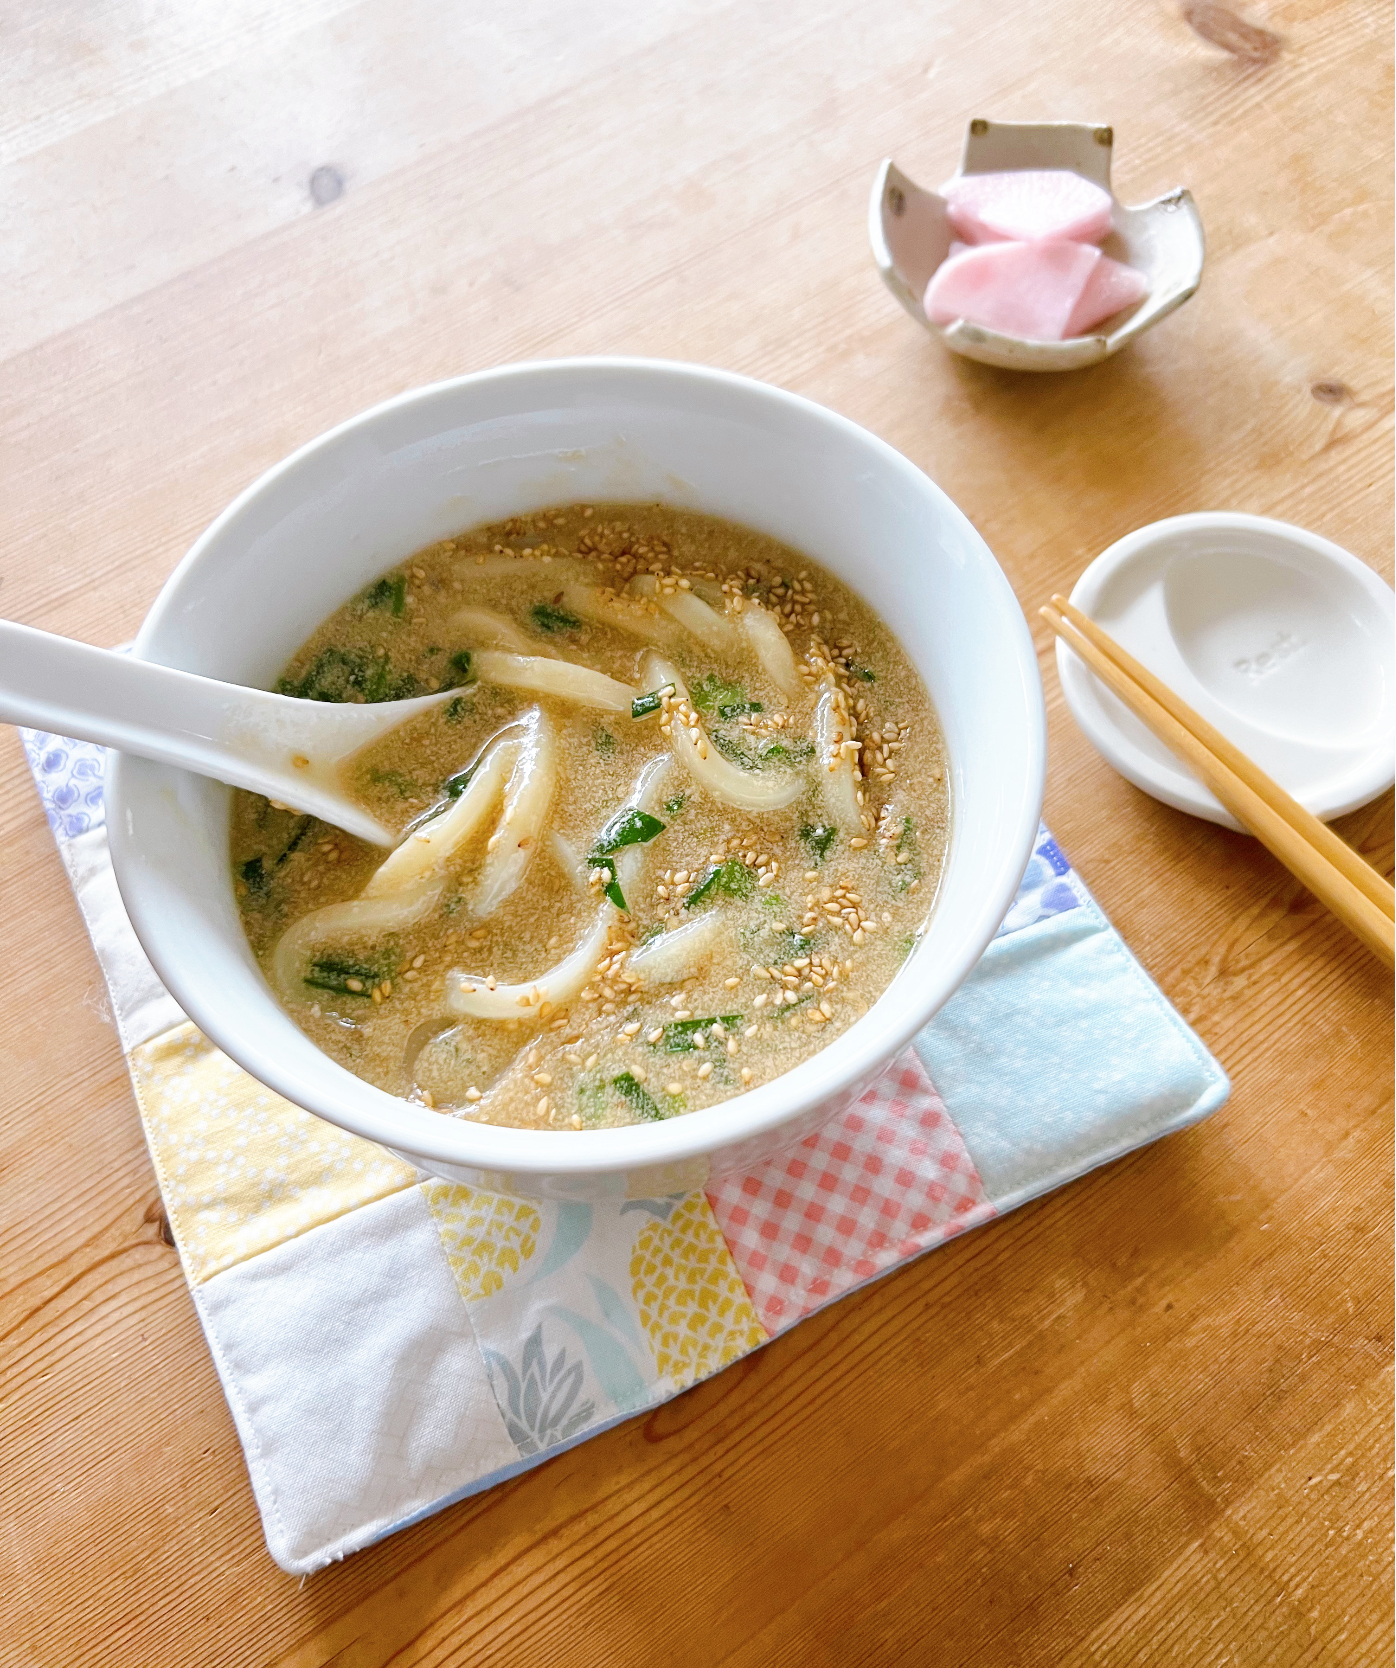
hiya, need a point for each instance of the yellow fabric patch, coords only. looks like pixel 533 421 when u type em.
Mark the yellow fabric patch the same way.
pixel 484 1235
pixel 241 1169
pixel 693 1305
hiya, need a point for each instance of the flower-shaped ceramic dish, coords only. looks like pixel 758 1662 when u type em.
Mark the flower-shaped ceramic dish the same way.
pixel 911 236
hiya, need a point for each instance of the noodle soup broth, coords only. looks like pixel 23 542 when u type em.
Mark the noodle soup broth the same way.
pixel 676 823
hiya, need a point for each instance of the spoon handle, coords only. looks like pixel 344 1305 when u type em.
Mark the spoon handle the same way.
pixel 245 737
pixel 72 689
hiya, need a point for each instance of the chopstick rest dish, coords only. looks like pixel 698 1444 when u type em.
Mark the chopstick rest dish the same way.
pixel 1281 639
pixel 1333 872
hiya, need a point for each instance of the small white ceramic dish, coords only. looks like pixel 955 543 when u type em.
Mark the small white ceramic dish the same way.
pixel 315 529
pixel 911 236
pixel 1283 640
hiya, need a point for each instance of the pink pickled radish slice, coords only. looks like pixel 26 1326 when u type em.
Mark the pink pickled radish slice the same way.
pixel 1112 287
pixel 1018 289
pixel 1030 204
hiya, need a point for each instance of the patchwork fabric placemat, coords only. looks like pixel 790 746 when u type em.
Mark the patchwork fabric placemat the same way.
pixel 389 1344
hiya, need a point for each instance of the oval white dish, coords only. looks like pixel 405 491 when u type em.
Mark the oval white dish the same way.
pixel 313 530
pixel 911 236
pixel 1280 638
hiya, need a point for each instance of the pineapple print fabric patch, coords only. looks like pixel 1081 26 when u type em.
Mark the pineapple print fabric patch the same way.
pixel 484 1235
pixel 694 1308
pixel 585 1313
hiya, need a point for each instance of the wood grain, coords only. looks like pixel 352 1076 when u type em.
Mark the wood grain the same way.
pixel 1147 1418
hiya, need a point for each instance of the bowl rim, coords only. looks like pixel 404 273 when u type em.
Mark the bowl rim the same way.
pixel 849 1063
pixel 1362 782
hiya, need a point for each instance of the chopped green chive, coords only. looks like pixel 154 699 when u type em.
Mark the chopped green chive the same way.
pixel 389 593
pixel 818 837
pixel 645 706
pixel 626 828
pixel 636 1096
pixel 549 618
pixel 732 879
pixel 630 827
pixel 454 786
pixel 794 751
pixel 711 693
pixel 908 855
pixel 403 786
pixel 345 978
pixel 342 674
pixel 612 886
pixel 681 1035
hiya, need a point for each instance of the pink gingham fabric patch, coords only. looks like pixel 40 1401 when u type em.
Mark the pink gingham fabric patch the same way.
pixel 887 1179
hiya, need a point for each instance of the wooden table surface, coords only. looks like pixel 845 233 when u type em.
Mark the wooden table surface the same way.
pixel 1147 1418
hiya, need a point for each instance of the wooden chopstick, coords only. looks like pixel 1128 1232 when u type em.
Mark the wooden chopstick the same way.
pixel 1254 808
pixel 1304 822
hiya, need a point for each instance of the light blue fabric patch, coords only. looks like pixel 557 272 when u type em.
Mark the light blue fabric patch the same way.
pixel 69 776
pixel 1059 1053
pixel 1045 889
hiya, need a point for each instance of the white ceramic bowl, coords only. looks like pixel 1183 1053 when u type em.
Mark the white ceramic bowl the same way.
pixel 316 528
pixel 1280 638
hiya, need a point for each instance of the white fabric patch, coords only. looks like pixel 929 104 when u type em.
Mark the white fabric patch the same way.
pixel 355 1380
